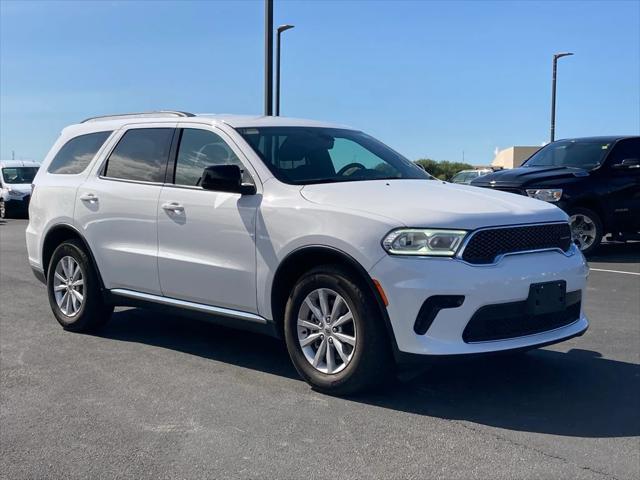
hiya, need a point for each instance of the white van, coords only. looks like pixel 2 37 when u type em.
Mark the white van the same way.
pixel 15 179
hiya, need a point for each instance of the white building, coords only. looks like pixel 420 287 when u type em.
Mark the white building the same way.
pixel 513 157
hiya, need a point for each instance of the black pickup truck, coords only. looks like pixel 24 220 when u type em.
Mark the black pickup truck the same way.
pixel 596 180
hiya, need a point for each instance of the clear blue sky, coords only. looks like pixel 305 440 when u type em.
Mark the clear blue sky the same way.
pixel 431 79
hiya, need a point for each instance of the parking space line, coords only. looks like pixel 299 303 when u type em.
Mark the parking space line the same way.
pixel 613 271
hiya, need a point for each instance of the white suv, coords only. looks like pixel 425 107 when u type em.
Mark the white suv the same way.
pixel 312 232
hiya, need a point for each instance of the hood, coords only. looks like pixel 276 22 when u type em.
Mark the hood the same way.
pixel 523 176
pixel 432 203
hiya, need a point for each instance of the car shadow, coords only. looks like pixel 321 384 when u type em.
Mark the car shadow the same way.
pixel 577 393
pixel 616 252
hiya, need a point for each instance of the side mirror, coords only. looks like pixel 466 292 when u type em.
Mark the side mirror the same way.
pixel 628 163
pixel 225 178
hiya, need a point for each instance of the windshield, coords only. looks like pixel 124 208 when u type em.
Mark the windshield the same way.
pixel 570 153
pixel 19 174
pixel 306 155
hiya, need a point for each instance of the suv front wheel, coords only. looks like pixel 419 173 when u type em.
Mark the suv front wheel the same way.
pixel 334 332
pixel 74 289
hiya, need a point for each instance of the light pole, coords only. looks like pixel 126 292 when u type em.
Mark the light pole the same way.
pixel 553 92
pixel 281 28
pixel 268 57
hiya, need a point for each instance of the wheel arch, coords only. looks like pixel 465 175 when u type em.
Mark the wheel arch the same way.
pixel 595 205
pixel 59 234
pixel 301 260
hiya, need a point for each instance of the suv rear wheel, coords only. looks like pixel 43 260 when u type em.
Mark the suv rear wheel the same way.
pixel 335 334
pixel 74 289
pixel 586 229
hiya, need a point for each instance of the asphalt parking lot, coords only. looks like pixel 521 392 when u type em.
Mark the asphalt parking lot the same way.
pixel 163 397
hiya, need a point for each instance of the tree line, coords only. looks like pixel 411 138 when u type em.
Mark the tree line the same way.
pixel 443 170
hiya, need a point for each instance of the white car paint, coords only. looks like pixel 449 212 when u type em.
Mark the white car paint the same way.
pixel 434 204
pixel 220 251
pixel 119 220
pixel 206 243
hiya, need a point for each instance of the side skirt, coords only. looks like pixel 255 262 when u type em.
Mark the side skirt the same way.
pixel 209 313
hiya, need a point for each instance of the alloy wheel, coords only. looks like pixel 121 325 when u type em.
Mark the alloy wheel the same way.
pixel 68 286
pixel 326 331
pixel 583 230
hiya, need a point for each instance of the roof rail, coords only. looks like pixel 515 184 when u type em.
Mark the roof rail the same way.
pixel 159 113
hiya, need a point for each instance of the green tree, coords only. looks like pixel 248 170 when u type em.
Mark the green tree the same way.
pixel 442 170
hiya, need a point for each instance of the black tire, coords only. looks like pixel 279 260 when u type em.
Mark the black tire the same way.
pixel 593 217
pixel 93 312
pixel 3 210
pixel 372 362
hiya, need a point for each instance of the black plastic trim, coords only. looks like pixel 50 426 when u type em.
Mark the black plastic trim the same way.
pixel 484 325
pixel 170 172
pixel 430 309
pixel 39 274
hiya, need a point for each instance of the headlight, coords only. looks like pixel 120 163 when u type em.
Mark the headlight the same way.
pixel 422 241
pixel 546 194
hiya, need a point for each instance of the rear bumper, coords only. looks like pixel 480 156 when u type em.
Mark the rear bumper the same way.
pixel 408 282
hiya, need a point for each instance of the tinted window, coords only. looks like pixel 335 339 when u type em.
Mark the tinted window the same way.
pixel 625 149
pixel 19 174
pixel 141 155
pixel 200 149
pixel 586 154
pixel 77 153
pixel 465 177
pixel 304 155
pixel 460 177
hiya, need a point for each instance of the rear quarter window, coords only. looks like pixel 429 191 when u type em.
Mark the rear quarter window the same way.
pixel 77 153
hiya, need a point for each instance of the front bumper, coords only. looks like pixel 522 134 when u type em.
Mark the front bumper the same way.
pixel 408 282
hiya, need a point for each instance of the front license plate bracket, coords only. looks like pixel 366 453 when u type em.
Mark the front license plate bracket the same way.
pixel 547 297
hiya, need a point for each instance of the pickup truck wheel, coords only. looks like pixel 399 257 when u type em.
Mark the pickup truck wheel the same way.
pixel 586 229
pixel 74 289
pixel 334 334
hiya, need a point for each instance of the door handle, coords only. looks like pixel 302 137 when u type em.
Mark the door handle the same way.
pixel 89 198
pixel 174 207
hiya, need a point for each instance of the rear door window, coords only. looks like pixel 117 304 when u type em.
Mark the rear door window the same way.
pixel 141 155
pixel 77 153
